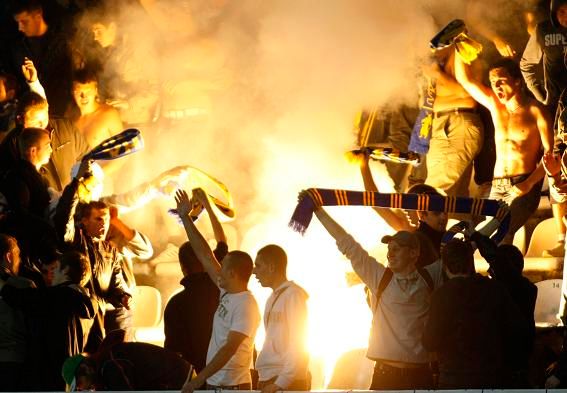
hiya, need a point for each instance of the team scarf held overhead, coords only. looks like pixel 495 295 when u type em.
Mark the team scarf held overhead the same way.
pixel 127 142
pixel 313 198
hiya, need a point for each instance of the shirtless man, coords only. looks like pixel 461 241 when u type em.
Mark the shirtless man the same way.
pixel 457 131
pixel 522 127
pixel 98 121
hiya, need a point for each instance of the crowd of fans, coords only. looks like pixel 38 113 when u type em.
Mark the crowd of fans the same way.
pixel 66 256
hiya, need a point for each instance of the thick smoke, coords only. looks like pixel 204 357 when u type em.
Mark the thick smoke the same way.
pixel 280 83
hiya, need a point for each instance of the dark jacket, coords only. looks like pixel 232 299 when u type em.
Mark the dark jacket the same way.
pixel 61 317
pixel 68 144
pixel 140 366
pixel 472 324
pixel 522 290
pixel 106 264
pixel 25 189
pixel 188 316
pixel 549 43
pixel 429 244
pixel 51 56
pixel 12 324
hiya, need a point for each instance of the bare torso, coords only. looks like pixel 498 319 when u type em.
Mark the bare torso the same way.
pixel 518 140
pixel 99 125
pixel 451 95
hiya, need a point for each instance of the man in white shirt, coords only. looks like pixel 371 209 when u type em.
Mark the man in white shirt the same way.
pixel 282 362
pixel 229 357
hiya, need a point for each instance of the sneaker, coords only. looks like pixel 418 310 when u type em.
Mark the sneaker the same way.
pixel 557 252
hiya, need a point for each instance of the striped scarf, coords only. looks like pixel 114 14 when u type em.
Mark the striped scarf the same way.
pixel 127 142
pixel 387 154
pixel 315 197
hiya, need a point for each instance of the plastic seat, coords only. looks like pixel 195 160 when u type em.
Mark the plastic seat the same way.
pixel 520 240
pixel 147 306
pixel 544 237
pixel 547 303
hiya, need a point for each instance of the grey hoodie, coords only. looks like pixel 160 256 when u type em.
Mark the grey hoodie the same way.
pixel 549 42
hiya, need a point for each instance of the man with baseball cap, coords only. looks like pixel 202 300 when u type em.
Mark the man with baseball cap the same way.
pixel 400 304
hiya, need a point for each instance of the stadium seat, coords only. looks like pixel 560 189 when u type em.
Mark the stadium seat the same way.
pixel 544 237
pixel 547 304
pixel 147 306
pixel 520 240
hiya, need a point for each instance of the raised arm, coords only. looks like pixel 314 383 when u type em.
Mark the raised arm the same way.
pixel 475 14
pixel 218 230
pixel 333 227
pixel 198 242
pixel 398 222
pixel 30 75
pixel 366 267
pixel 464 75
pixel 530 65
pixel 434 71
pixel 64 220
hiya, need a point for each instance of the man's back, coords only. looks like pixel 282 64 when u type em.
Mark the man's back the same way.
pixel 59 319
pixel 472 324
pixel 141 366
pixel 188 319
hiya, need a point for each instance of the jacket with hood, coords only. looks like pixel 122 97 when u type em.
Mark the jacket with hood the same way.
pixel 547 44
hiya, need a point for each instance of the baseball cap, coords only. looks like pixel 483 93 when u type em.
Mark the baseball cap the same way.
pixel 69 370
pixel 403 238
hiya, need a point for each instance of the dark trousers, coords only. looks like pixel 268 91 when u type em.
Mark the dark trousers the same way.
pixel 11 376
pixel 120 318
pixel 297 385
pixel 387 377
pixel 486 380
pixel 242 386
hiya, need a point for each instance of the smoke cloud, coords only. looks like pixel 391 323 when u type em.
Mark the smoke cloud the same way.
pixel 279 84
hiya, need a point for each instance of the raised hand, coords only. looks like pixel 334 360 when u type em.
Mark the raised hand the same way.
pixel 184 205
pixel 29 71
pixel 551 163
pixel 200 196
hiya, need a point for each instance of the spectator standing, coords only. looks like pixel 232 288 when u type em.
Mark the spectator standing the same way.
pixel 282 363
pixel 400 304
pixel 522 127
pixel 47 47
pixel 64 310
pixel 472 323
pixel 229 357
pixel 544 57
pixel 188 316
pixel 13 343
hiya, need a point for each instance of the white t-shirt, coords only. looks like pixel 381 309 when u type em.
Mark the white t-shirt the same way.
pixel 238 312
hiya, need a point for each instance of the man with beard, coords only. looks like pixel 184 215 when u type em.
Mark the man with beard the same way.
pixel 522 128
